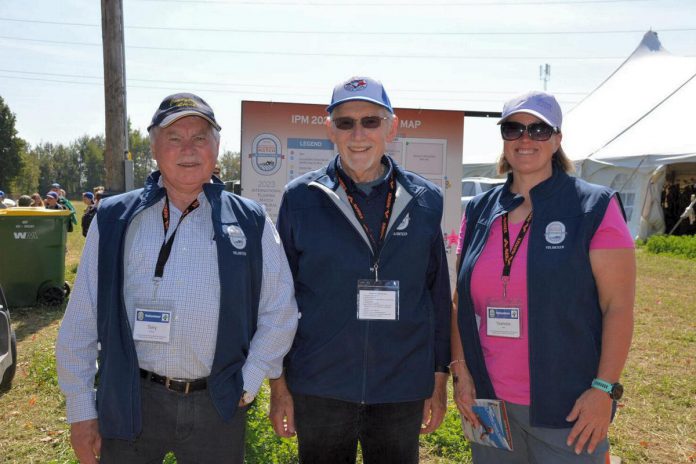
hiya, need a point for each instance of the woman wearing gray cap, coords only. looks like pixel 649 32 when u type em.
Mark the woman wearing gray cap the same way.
pixel 543 313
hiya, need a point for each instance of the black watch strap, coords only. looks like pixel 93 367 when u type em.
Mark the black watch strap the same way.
pixel 443 369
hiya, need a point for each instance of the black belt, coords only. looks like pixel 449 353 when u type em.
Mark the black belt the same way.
pixel 177 385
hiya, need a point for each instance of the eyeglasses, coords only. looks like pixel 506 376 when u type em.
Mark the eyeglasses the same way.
pixel 368 122
pixel 539 131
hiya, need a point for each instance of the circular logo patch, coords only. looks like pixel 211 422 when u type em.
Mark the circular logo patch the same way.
pixel 555 232
pixel 237 237
pixel 266 154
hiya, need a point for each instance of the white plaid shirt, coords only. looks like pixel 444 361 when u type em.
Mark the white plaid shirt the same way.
pixel 190 289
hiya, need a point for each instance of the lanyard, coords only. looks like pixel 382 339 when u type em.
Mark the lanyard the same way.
pixel 388 207
pixel 508 253
pixel 167 245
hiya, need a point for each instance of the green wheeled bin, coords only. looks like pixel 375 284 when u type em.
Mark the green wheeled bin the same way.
pixel 32 255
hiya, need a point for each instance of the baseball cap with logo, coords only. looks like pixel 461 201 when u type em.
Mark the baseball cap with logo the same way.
pixel 540 104
pixel 179 105
pixel 361 89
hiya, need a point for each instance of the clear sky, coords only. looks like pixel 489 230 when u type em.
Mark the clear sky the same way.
pixel 435 54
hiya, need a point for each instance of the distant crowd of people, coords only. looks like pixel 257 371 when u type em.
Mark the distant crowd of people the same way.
pixel 676 197
pixel 56 199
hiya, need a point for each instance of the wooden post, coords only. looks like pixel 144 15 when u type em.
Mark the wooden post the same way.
pixel 116 130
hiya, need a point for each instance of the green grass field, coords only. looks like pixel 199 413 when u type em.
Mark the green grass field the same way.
pixel 656 422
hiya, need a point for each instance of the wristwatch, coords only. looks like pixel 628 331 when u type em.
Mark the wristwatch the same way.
pixel 615 390
pixel 247 398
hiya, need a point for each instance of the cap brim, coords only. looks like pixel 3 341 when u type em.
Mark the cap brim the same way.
pixel 331 107
pixel 172 118
pixel 533 113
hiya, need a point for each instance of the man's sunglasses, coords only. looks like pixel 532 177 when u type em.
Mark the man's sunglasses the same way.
pixel 539 131
pixel 368 122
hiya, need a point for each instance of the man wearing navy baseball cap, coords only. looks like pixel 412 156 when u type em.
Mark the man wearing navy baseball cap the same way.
pixel 187 291
pixel 363 239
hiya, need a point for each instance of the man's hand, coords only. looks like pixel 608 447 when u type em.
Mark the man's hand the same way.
pixel 592 411
pixel 464 392
pixel 86 441
pixel 282 413
pixel 435 407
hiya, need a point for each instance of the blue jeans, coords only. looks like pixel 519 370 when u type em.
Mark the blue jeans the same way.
pixel 328 431
pixel 188 425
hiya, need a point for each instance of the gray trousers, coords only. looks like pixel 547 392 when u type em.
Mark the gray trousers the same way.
pixel 188 425
pixel 535 445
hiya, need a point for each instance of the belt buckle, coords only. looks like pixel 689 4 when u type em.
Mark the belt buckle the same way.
pixel 167 383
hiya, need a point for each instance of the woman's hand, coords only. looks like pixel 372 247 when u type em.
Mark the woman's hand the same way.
pixel 592 414
pixel 464 392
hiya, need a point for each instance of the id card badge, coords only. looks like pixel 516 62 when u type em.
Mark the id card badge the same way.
pixel 153 323
pixel 378 300
pixel 503 319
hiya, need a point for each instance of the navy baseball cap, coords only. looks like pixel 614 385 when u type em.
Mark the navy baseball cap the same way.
pixel 53 195
pixel 2 194
pixel 179 105
pixel 540 104
pixel 89 195
pixel 361 89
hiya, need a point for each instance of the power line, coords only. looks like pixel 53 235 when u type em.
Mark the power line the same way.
pixel 324 54
pixel 335 32
pixel 266 93
pixel 236 84
pixel 380 4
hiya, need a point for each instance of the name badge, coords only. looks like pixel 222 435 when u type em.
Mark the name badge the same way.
pixel 378 300
pixel 152 325
pixel 503 322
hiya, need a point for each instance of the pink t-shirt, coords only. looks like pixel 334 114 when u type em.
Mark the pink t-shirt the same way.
pixel 507 359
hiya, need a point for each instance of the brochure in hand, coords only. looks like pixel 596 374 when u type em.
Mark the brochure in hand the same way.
pixel 494 429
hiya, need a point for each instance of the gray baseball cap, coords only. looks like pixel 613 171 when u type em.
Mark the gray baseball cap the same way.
pixel 540 104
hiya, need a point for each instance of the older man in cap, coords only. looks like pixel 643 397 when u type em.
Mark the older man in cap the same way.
pixel 185 299
pixel 365 247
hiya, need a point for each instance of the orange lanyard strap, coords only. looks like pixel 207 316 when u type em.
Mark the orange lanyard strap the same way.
pixel 389 206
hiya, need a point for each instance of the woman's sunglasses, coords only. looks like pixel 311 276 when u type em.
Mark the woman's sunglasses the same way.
pixel 368 122
pixel 539 131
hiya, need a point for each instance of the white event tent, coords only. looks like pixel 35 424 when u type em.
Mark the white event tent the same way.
pixel 632 132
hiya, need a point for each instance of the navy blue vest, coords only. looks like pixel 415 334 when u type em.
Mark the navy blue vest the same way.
pixel 118 389
pixel 564 316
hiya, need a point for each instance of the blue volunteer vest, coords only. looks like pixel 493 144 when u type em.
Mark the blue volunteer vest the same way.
pixel 564 316
pixel 118 389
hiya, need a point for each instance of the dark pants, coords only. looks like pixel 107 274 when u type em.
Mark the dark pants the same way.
pixel 188 425
pixel 328 431
pixel 535 445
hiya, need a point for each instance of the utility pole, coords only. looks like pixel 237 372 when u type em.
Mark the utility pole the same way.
pixel 545 74
pixel 116 154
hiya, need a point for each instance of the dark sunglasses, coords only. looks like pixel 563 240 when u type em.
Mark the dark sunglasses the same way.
pixel 539 131
pixel 368 122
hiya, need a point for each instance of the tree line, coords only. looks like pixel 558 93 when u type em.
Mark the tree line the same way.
pixel 77 166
